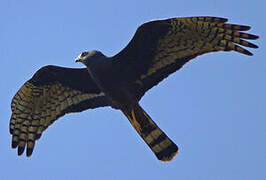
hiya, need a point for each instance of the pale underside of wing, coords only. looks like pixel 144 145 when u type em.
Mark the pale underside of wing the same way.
pixel 34 108
pixel 191 37
pixel 182 40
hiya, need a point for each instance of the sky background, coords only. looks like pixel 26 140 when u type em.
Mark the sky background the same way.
pixel 214 108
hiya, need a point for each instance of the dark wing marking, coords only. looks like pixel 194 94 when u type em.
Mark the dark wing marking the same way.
pixel 161 47
pixel 51 93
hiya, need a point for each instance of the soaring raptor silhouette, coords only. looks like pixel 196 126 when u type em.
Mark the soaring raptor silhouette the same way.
pixel 157 49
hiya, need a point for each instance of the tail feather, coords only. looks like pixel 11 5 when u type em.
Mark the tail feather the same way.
pixel 163 147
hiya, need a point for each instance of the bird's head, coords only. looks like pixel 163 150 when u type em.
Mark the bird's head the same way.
pixel 88 57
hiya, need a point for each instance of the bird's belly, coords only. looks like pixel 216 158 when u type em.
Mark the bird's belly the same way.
pixel 118 93
pixel 120 96
pixel 110 82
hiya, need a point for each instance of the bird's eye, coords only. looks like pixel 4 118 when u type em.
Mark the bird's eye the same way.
pixel 84 54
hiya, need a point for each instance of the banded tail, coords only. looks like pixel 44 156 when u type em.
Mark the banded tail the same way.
pixel 162 146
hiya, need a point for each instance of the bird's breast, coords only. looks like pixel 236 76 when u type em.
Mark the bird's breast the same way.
pixel 110 82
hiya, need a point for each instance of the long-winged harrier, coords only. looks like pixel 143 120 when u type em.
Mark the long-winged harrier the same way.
pixel 157 49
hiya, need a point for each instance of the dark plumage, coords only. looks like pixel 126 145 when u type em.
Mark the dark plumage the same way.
pixel 157 49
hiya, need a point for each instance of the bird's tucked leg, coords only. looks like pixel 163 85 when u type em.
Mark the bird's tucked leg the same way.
pixel 156 139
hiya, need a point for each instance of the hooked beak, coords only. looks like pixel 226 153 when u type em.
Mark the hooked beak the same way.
pixel 78 59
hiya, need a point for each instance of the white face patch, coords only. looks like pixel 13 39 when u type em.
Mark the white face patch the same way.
pixel 82 57
pixel 89 56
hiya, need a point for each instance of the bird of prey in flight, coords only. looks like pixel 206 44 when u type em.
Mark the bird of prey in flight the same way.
pixel 158 49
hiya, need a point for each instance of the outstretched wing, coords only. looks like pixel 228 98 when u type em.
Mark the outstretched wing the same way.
pixel 51 93
pixel 161 47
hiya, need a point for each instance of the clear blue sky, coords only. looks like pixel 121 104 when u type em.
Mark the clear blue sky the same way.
pixel 214 108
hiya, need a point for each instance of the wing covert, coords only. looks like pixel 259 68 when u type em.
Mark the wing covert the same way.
pixel 51 93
